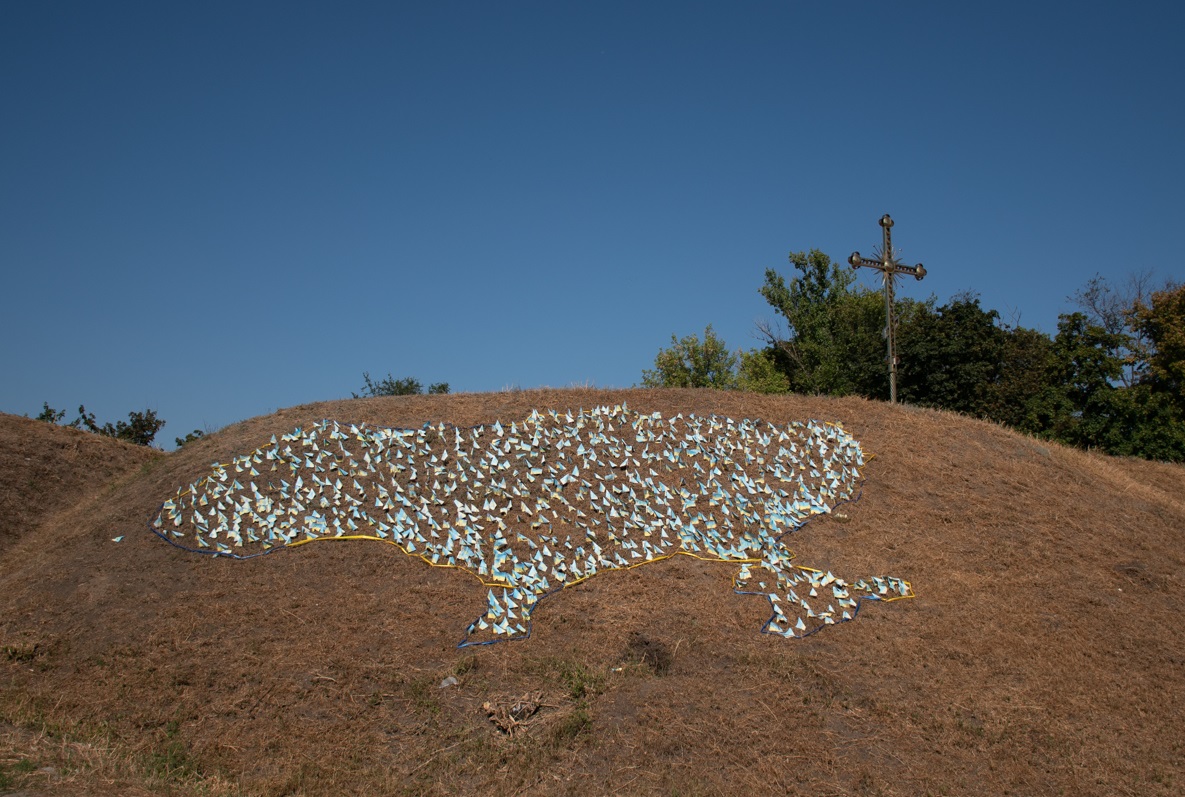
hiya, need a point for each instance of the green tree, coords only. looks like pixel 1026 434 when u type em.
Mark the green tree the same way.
pixel 1111 383
pixel 1149 420
pixel 758 372
pixel 1087 370
pixel 692 363
pixel 1139 421
pixel 833 342
pixel 1026 394
pixel 196 434
pixel 390 386
pixel 1110 307
pixel 1161 322
pixel 50 415
pixel 953 356
pixel 140 428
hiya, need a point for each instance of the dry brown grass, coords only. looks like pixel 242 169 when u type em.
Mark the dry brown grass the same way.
pixel 1044 653
pixel 44 467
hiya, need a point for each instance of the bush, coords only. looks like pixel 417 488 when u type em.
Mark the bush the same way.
pixel 407 386
pixel 196 434
pixel 50 415
pixel 690 363
pixel 140 428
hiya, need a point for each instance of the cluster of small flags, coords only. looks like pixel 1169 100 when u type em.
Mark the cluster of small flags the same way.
pixel 546 502
pixel 833 597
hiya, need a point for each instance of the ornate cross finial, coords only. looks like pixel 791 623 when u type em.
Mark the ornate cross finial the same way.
pixel 889 269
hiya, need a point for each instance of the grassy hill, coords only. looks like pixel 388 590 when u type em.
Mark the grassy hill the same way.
pixel 1044 652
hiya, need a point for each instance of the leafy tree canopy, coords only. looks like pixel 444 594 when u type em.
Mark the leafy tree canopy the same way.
pixel 1161 322
pixel 196 434
pixel 140 428
pixel 692 363
pixel 833 341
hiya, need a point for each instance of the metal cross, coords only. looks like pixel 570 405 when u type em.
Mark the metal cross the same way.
pixel 889 269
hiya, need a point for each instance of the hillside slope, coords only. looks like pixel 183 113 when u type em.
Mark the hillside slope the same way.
pixel 44 468
pixel 1044 652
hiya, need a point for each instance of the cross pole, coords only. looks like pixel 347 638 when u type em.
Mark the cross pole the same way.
pixel 889 269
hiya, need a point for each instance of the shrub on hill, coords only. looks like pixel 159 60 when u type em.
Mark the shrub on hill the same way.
pixel 708 363
pixel 140 428
pixel 196 434
pixel 407 386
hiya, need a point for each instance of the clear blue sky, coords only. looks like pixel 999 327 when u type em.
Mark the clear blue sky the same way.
pixel 218 209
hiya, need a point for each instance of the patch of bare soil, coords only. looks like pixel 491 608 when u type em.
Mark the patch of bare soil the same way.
pixel 1044 653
